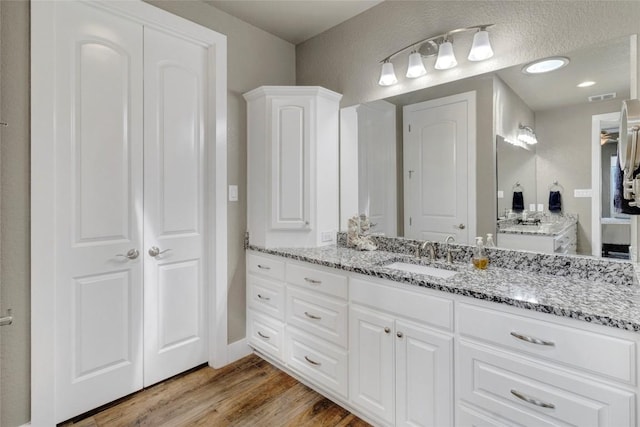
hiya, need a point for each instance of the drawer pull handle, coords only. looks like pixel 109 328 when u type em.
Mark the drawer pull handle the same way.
pixel 312 281
pixel 312 316
pixel 264 267
pixel 532 400
pixel 266 337
pixel 264 298
pixel 313 362
pixel 532 340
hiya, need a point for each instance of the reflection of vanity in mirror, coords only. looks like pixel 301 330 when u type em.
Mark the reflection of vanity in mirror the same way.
pixel 397 168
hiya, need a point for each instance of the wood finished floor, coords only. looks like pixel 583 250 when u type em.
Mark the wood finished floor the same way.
pixel 249 392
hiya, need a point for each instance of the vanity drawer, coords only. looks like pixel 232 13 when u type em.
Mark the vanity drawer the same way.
pixel 265 266
pixel 530 395
pixel 265 334
pixel 317 280
pixel 416 305
pixel 570 346
pixel 266 296
pixel 321 315
pixel 320 362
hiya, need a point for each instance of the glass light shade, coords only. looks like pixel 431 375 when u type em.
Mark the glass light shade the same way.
pixel 446 58
pixel 387 75
pixel 416 66
pixel 481 48
pixel 527 136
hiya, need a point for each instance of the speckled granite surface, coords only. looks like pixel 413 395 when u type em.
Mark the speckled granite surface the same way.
pixel 563 294
pixel 574 266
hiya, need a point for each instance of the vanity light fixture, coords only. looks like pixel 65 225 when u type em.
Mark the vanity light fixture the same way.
pixel 440 45
pixel 586 84
pixel 416 66
pixel 446 58
pixel 387 75
pixel 527 135
pixel 545 65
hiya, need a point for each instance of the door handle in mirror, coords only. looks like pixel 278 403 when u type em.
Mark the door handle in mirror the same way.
pixel 131 254
pixel 154 251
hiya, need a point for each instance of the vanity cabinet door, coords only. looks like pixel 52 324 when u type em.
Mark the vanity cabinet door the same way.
pixel 424 376
pixel 371 363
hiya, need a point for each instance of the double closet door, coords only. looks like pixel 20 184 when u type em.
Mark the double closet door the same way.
pixel 131 238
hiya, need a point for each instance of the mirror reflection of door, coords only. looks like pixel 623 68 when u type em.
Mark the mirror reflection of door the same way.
pixel 438 146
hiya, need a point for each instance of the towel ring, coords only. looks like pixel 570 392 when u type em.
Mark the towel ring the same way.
pixel 517 186
pixel 556 187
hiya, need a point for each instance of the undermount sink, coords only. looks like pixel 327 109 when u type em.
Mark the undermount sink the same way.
pixel 422 269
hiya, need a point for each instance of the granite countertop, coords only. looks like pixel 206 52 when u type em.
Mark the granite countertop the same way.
pixel 601 301
pixel 542 229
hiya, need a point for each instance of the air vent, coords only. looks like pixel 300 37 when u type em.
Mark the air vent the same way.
pixel 603 97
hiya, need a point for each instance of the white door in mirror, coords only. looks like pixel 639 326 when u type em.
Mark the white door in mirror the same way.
pixel 439 143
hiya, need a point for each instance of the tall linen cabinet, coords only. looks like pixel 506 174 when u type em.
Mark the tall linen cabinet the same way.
pixel 292 166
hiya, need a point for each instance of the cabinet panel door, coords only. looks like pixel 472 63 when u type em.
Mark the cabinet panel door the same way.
pixel 371 363
pixel 424 376
pixel 290 163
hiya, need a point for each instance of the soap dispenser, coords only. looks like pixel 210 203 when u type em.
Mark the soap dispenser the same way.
pixel 480 259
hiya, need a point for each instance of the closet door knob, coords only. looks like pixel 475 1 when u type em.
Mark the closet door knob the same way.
pixel 131 254
pixel 154 251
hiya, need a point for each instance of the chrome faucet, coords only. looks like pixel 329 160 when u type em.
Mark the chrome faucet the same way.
pixel 432 249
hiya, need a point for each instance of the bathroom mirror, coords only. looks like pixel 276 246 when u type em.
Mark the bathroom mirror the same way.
pixel 374 174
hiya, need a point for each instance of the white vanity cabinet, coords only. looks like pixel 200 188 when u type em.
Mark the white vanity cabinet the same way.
pixel 401 366
pixel 516 369
pixel 292 146
pixel 565 242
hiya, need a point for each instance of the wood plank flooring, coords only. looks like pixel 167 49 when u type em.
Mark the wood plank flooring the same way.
pixel 249 392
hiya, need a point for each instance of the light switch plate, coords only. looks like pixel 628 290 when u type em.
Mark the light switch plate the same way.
pixel 500 194
pixel 532 207
pixel 582 193
pixel 233 193
pixel 327 236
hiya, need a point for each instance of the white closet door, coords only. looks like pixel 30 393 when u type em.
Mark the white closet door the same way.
pixel 175 84
pixel 98 210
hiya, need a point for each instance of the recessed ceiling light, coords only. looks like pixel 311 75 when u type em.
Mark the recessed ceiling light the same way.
pixel 545 65
pixel 586 84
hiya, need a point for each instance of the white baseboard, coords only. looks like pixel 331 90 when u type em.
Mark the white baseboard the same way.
pixel 237 350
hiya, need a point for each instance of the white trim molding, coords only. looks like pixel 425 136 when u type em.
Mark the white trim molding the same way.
pixel 43 312
pixel 238 349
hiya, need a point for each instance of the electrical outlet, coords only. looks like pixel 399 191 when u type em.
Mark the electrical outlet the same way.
pixel 540 207
pixel 327 236
pixel 582 193
pixel 532 207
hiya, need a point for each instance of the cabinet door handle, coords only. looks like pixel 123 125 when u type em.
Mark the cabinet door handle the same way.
pixel 266 337
pixel 312 316
pixel 264 267
pixel 532 340
pixel 313 362
pixel 399 334
pixel 532 400
pixel 387 330
pixel 264 298
pixel 312 281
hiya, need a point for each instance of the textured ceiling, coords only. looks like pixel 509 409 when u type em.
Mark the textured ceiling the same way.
pixel 294 21
pixel 607 64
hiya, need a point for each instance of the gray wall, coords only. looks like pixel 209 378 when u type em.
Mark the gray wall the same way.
pixel 254 58
pixel 564 154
